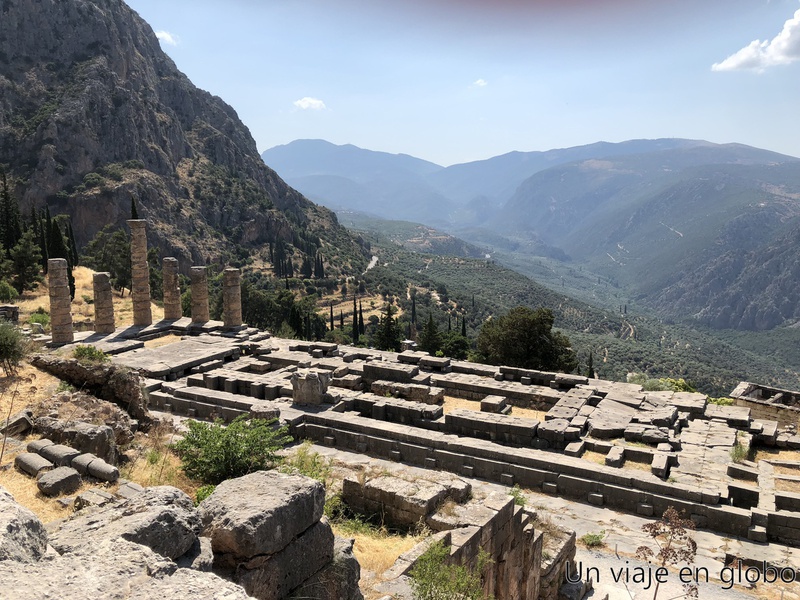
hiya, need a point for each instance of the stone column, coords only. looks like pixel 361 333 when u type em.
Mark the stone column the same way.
pixel 103 303
pixel 172 291
pixel 199 295
pixel 60 301
pixel 232 297
pixel 140 273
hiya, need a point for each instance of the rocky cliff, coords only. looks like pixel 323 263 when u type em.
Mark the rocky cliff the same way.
pixel 92 113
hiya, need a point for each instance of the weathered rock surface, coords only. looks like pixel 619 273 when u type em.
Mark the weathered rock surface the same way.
pixel 106 380
pixel 112 569
pixel 309 387
pixel 260 513
pixel 161 518
pixel 23 538
pixel 336 581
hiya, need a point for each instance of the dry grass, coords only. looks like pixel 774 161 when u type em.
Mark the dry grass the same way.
pixel 164 340
pixel 451 403
pixel 82 310
pixel 788 485
pixel 595 457
pixel 153 462
pixel 777 454
pixel 787 470
pixel 28 388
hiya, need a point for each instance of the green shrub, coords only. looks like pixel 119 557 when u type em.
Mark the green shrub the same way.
pixel 41 317
pixel 89 354
pixel 7 292
pixel 738 453
pixel 519 497
pixel 213 452
pixel 722 401
pixel 204 492
pixel 594 540
pixel 433 579
pixel 305 461
pixel 12 347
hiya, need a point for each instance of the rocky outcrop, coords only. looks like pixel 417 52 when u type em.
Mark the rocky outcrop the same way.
pixel 92 112
pixel 268 535
pixel 161 518
pixel 106 380
pixel 267 539
pixel 23 539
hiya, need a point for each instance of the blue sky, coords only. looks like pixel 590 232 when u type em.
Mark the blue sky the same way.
pixel 458 80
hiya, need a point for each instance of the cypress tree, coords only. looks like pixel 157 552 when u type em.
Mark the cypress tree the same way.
pixel 414 309
pixel 355 321
pixel 464 325
pixel 449 324
pixel 590 368
pixel 332 316
pixel 73 248
pixel 341 320
pixel 361 329
pixel 134 212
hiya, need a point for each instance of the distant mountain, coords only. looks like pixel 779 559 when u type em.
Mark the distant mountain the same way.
pixel 398 186
pixel 688 231
pixel 93 113
pixel 392 186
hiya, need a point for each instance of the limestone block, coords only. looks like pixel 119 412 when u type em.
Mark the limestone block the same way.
pixel 37 445
pixel 338 580
pixel 615 457
pixel 63 480
pixel 199 557
pixel 100 469
pixel 260 513
pixel 309 387
pixel 81 463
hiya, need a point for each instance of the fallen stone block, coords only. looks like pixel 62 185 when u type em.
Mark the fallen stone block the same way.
pixel 18 424
pixel 100 469
pixel 62 480
pixel 93 497
pixel 59 454
pixel 81 463
pixel 37 445
pixel 660 465
pixel 615 457
pixel 128 489
pixel 32 464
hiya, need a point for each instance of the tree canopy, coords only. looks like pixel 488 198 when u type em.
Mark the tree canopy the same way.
pixel 525 338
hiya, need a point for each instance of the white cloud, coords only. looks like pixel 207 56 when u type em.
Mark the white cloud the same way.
pixel 783 49
pixel 480 83
pixel 165 37
pixel 308 103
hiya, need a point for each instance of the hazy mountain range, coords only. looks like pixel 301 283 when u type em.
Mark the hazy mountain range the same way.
pixel 692 229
